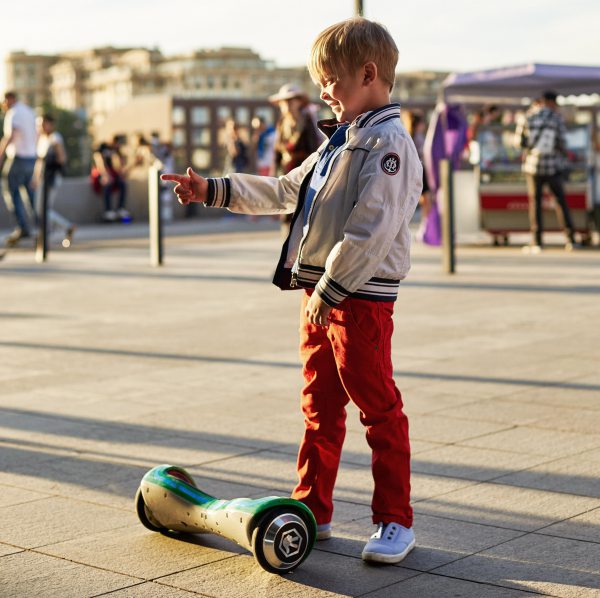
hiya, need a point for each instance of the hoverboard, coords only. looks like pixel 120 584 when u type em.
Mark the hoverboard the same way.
pixel 280 532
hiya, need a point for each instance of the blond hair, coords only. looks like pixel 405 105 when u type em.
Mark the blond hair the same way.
pixel 345 47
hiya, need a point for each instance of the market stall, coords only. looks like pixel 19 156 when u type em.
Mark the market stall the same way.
pixel 500 185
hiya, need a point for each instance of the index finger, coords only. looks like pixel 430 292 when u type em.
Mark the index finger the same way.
pixel 177 178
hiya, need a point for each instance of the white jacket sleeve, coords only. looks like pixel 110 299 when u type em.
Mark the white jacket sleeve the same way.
pixel 252 194
pixel 390 185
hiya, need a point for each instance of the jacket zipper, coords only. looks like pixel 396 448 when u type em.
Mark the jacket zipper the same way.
pixel 294 281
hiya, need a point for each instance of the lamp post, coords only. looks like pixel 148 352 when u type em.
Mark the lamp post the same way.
pixel 358 8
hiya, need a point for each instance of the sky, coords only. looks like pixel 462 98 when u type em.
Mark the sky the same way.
pixel 431 34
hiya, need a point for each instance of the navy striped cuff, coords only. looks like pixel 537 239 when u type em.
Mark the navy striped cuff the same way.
pixel 330 291
pixel 219 193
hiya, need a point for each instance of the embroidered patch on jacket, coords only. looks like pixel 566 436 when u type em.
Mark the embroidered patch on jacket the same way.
pixel 390 164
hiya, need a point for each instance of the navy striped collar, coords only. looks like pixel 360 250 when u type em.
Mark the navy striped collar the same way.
pixel 368 119
pixel 379 115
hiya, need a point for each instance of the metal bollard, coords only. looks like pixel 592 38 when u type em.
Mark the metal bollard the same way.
pixel 448 248
pixel 41 247
pixel 155 217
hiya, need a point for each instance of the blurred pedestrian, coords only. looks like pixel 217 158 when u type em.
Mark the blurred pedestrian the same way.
pixel 236 157
pixel 417 128
pixel 49 170
pixel 165 161
pixel 297 136
pixel 111 163
pixel 543 138
pixel 19 145
pixel 263 137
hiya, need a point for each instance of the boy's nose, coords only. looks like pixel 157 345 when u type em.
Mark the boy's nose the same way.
pixel 324 95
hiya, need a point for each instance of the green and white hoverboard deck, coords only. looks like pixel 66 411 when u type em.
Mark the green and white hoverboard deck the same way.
pixel 280 532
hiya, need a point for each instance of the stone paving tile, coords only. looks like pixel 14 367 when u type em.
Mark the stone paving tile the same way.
pixel 32 574
pixel 7 549
pixel 507 506
pixel 576 396
pixel 555 566
pixel 570 475
pixel 12 495
pixel 562 552
pixel 472 463
pixel 150 590
pixel 435 428
pixel 582 527
pixel 255 433
pixel 506 412
pixel 57 519
pixel 426 585
pixel 422 402
pixel 322 575
pixel 73 475
pixel 425 486
pixel 582 422
pixel 593 455
pixel 534 441
pixel 140 553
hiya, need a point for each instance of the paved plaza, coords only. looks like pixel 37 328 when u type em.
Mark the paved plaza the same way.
pixel 109 367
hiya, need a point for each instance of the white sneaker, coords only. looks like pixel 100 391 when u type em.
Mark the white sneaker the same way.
pixel 123 214
pixel 323 531
pixel 532 249
pixel 389 544
pixel 109 216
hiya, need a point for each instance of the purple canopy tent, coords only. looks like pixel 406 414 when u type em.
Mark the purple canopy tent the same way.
pixel 512 84
pixel 522 81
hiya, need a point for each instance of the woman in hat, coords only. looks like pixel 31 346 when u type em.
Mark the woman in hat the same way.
pixel 297 135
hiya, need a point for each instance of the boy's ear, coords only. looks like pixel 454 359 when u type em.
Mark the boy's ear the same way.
pixel 369 73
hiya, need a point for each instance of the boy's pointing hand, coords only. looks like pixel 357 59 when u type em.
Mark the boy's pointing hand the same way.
pixel 190 187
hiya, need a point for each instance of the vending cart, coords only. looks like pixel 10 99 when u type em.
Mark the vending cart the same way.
pixel 498 181
pixel 503 200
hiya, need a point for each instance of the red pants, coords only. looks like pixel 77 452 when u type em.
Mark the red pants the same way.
pixel 351 360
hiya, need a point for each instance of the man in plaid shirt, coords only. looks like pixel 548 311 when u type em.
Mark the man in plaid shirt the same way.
pixel 542 136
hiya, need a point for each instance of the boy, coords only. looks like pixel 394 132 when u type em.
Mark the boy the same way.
pixel 348 248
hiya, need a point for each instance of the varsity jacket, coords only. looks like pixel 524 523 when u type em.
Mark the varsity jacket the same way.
pixel 355 239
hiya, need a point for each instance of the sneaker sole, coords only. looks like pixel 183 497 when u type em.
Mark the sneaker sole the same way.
pixel 378 557
pixel 324 535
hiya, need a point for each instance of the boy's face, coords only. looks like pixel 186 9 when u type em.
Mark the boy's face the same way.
pixel 347 95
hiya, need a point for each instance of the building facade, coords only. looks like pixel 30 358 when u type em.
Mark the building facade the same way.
pixel 100 80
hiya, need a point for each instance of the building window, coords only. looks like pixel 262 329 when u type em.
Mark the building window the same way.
pixel 266 113
pixel 179 137
pixel 178 115
pixel 223 113
pixel 242 115
pixel 201 136
pixel 201 159
pixel 200 115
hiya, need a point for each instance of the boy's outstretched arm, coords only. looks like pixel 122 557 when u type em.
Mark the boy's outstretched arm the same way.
pixel 190 187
